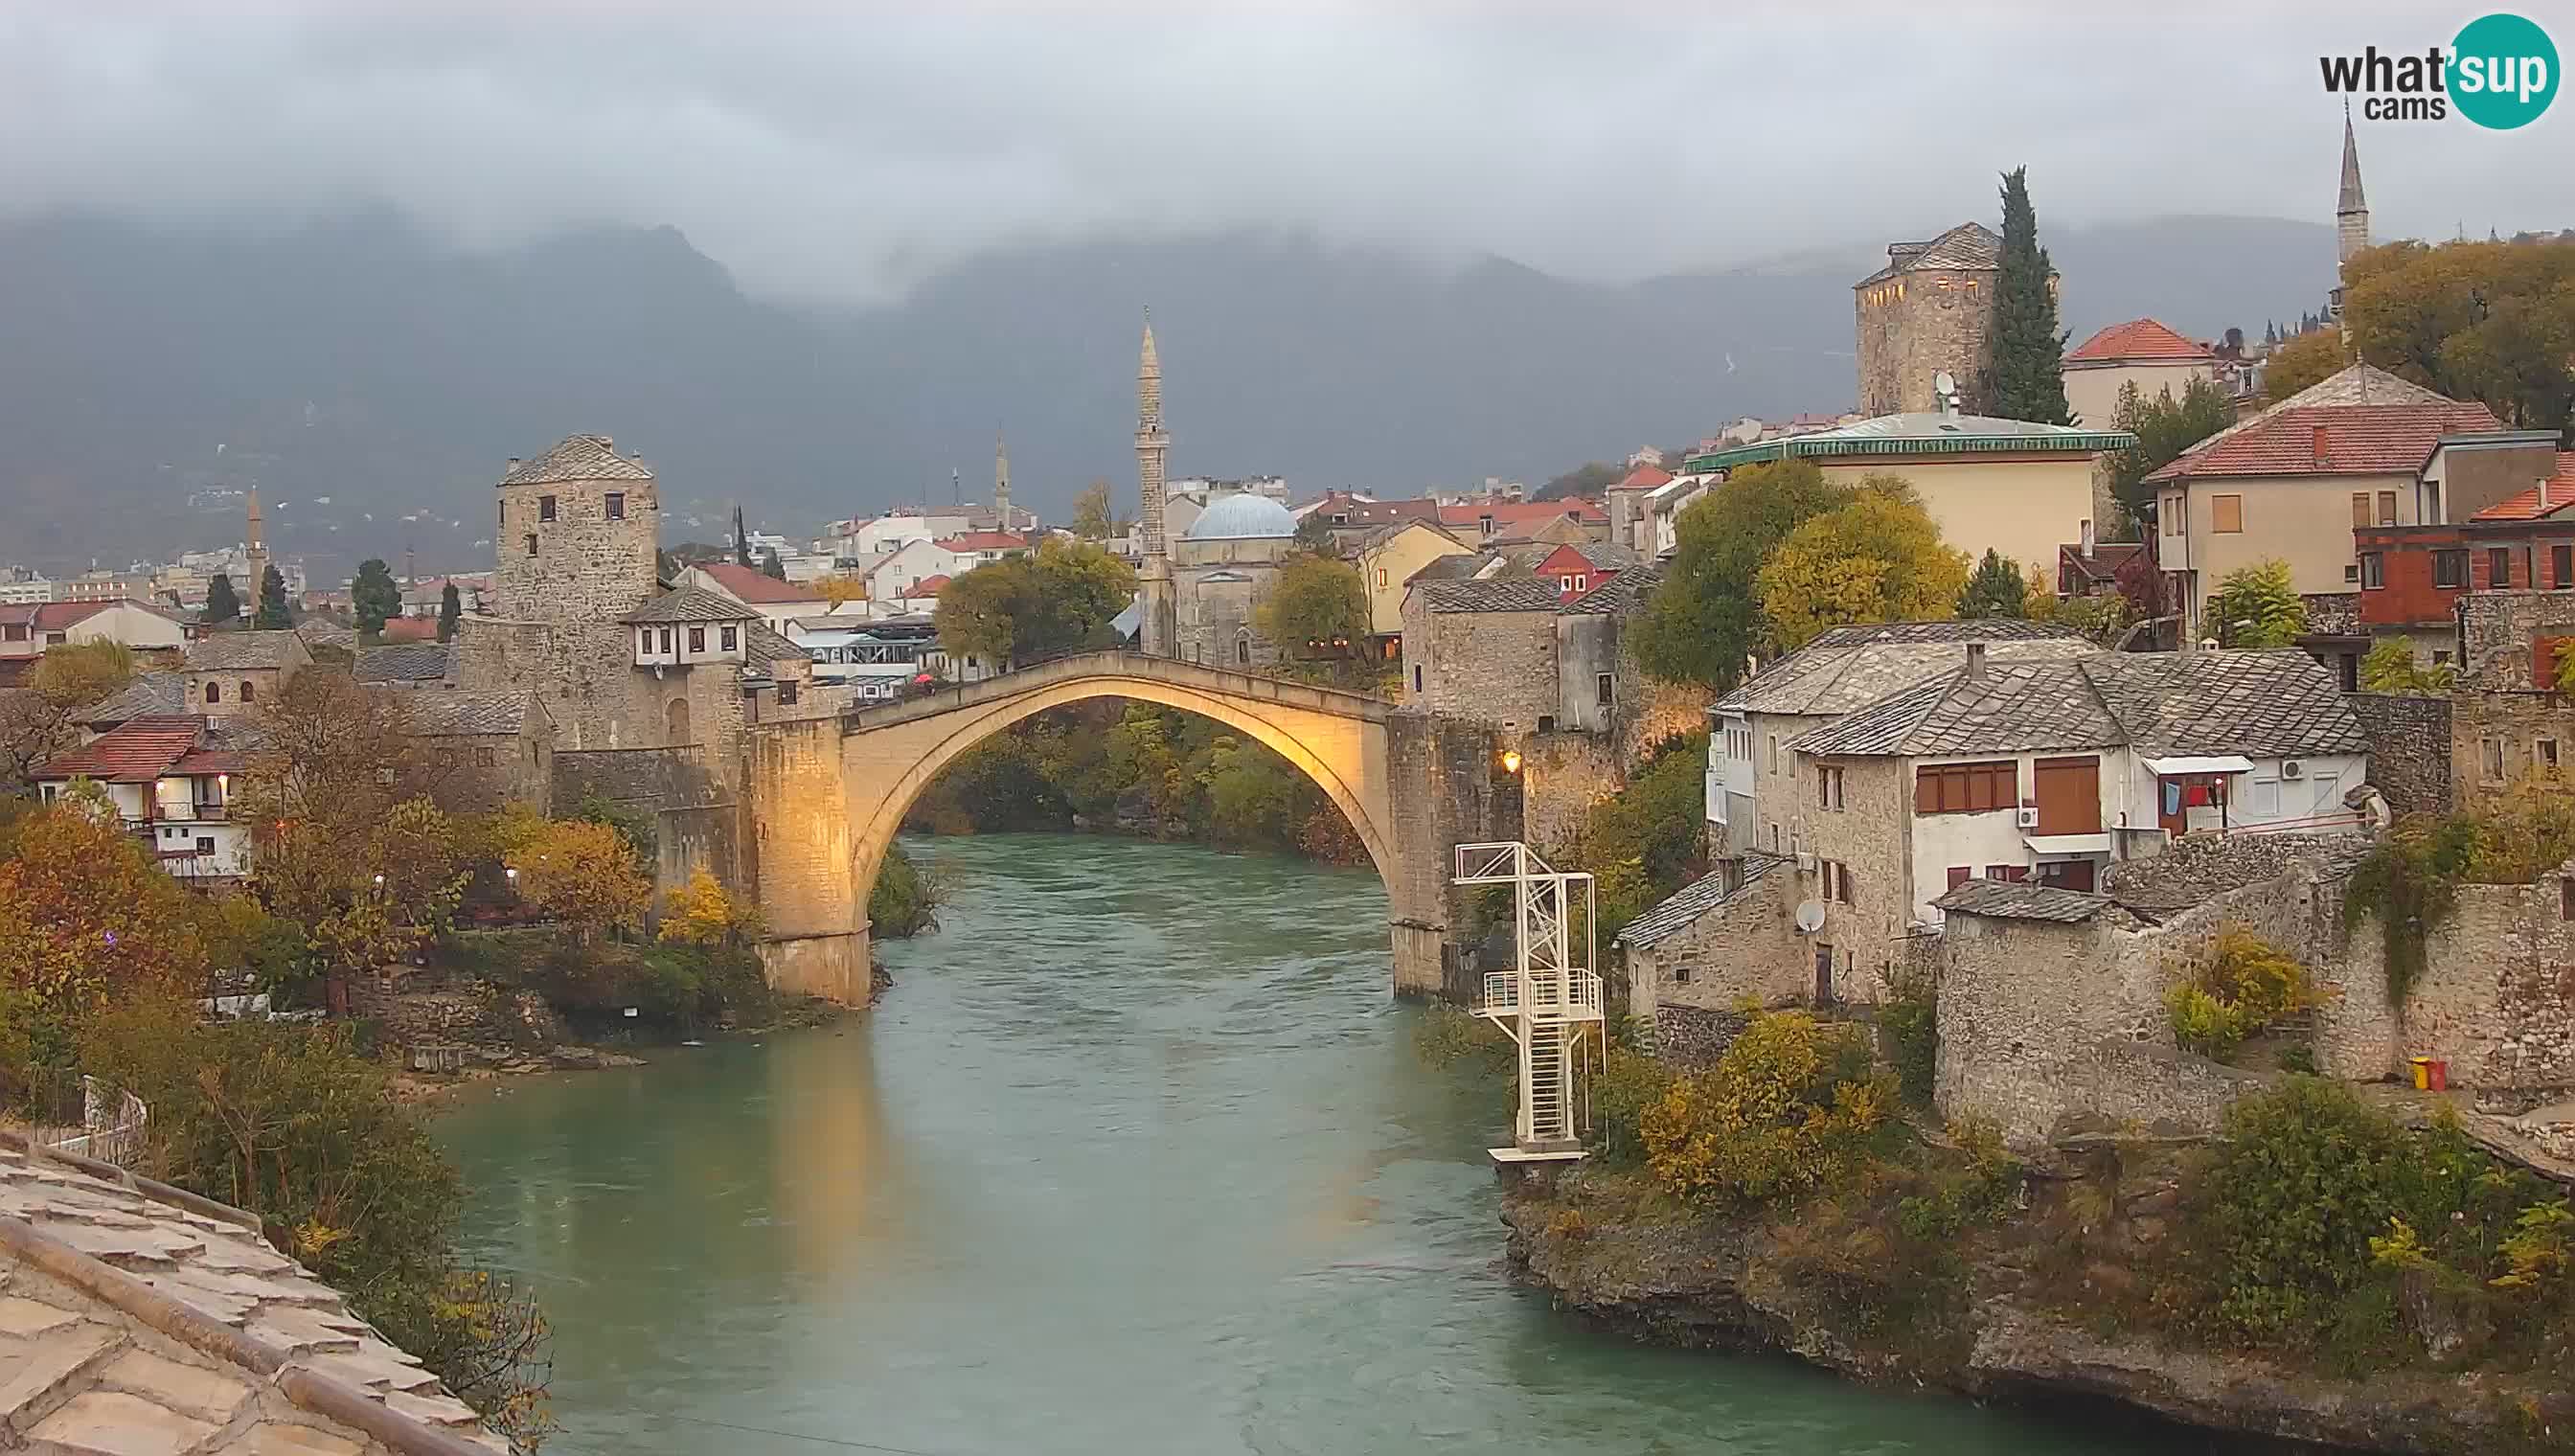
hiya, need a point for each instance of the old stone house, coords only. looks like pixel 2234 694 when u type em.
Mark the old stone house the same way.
pixel 233 672
pixel 2510 715
pixel 1929 309
pixel 489 749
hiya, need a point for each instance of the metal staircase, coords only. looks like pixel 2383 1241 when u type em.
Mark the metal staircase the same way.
pixel 1549 1003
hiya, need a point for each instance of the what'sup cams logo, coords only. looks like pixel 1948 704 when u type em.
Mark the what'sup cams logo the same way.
pixel 2500 72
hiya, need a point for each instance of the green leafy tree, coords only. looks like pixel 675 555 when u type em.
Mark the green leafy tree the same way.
pixel 1584 481
pixel 222 602
pixel 1996 590
pixel 1091 518
pixel 2258 607
pixel 451 609
pixel 1877 558
pixel 2167 429
pixel 375 594
pixel 2491 321
pixel 2392 668
pixel 1703 624
pixel 1317 605
pixel 272 615
pixel 2027 375
pixel 1056 599
pixel 2308 359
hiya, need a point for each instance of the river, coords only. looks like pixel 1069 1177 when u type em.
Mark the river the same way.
pixel 1135 1158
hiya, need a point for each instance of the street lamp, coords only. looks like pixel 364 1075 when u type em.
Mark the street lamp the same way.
pixel 1510 761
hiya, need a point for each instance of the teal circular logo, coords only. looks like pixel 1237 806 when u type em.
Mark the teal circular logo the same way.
pixel 2503 71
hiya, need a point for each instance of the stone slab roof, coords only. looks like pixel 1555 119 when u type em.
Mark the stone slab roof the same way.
pixel 764 644
pixel 232 651
pixel 691 603
pixel 1694 899
pixel 1622 596
pixel 2256 704
pixel 402 663
pixel 577 457
pixel 149 694
pixel 1848 668
pixel 2022 900
pixel 1498 594
pixel 1964 248
pixel 443 712
pixel 135 1318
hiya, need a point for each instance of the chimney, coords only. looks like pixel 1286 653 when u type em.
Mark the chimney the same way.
pixel 2543 494
pixel 2087 538
pixel 1975 661
pixel 2324 451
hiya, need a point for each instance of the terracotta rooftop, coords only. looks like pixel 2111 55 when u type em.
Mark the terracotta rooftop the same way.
pixel 2141 339
pixel 928 586
pixel 2361 385
pixel 750 583
pixel 2538 501
pixel 2333 440
pixel 971 540
pixel 1522 513
pixel 1644 477
pixel 135 751
pixel 137 1318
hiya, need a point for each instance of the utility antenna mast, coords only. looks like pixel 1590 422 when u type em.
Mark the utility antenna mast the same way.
pixel 1549 1003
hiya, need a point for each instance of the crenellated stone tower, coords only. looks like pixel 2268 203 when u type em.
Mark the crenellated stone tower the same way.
pixel 1159 628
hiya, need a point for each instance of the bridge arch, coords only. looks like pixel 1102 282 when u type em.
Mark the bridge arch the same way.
pixel 827 795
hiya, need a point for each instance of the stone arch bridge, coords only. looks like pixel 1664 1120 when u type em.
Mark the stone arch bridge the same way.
pixel 825 795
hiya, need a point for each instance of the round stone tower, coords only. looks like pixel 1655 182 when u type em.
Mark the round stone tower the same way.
pixel 575 536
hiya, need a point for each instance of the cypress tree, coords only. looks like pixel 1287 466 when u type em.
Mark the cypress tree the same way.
pixel 222 602
pixel 1996 590
pixel 741 540
pixel 375 595
pixel 771 567
pixel 272 615
pixel 2028 367
pixel 450 608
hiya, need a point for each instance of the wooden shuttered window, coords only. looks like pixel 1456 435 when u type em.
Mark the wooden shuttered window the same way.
pixel 1966 787
pixel 2226 514
pixel 2360 516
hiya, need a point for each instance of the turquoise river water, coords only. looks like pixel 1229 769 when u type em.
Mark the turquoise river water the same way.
pixel 1135 1158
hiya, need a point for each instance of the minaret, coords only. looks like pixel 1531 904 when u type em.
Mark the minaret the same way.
pixel 1159 630
pixel 2351 212
pixel 256 549
pixel 1000 482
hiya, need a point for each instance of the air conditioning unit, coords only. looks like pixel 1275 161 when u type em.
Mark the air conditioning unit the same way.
pixel 2292 768
pixel 2027 818
pixel 1805 863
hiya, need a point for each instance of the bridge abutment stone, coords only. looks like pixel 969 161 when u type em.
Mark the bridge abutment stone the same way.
pixel 1443 792
pixel 815 929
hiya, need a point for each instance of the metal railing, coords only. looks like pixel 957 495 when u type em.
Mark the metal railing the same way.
pixel 78 1113
pixel 1554 995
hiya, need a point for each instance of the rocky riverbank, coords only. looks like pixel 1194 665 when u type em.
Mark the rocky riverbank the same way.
pixel 2022 1311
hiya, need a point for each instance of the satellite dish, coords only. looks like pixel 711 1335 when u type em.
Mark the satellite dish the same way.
pixel 1944 384
pixel 1810 916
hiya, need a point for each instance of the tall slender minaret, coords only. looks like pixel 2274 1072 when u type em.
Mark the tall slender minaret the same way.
pixel 1000 482
pixel 2352 214
pixel 256 549
pixel 1159 630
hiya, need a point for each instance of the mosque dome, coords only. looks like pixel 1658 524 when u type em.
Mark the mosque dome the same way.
pixel 1241 516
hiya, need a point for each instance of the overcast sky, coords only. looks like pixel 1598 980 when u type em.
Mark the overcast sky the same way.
pixel 844 151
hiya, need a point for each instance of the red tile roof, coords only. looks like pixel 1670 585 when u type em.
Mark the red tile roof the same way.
pixel 973 541
pixel 60 616
pixel 2322 439
pixel 928 586
pixel 136 751
pixel 2527 507
pixel 412 628
pixel 751 585
pixel 1644 477
pixel 210 761
pixel 1522 513
pixel 2141 339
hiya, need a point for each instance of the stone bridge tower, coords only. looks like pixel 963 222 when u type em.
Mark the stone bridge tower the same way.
pixel 1159 630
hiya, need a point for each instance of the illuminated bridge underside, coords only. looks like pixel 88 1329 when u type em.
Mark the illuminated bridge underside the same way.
pixel 827 795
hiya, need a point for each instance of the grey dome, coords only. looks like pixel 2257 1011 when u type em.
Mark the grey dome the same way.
pixel 1241 516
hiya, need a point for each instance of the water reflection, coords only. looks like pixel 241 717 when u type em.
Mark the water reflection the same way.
pixel 1135 1159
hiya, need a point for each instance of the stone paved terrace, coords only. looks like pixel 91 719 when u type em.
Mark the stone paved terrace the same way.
pixel 136 1320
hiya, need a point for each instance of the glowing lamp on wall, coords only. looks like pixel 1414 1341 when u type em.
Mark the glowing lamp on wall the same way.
pixel 1510 761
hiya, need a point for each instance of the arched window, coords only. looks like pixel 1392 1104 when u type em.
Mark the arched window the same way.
pixel 248 691
pixel 675 723
pixel 1243 649
pixel 213 693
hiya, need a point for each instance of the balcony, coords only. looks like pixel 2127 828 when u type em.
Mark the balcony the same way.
pixel 1555 995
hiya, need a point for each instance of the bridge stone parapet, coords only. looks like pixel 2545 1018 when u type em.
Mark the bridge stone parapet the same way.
pixel 827 797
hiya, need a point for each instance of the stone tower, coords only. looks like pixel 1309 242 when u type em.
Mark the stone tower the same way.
pixel 578 528
pixel 1000 482
pixel 575 536
pixel 1157 629
pixel 1930 309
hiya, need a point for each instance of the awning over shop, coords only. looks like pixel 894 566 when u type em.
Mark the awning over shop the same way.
pixel 2209 764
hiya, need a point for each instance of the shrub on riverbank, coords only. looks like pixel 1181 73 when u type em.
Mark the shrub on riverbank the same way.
pixel 906 898
pixel 1789 1108
pixel 288 1121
